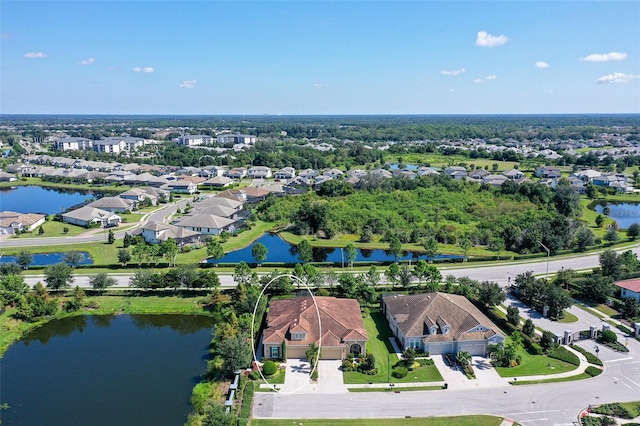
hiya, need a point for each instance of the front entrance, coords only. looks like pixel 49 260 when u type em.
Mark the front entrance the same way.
pixel 355 349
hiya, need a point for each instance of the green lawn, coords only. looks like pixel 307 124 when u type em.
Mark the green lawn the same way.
pixel 608 311
pixel 533 365
pixel 102 253
pixel 417 421
pixel 53 228
pixel 568 318
pixel 379 344
pixel 580 376
pixel 411 389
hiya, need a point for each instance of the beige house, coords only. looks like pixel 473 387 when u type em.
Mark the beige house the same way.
pixel 293 323
pixel 86 216
pixel 440 323
pixel 12 222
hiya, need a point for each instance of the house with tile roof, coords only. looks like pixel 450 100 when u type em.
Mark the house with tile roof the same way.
pixel 439 323
pixel 629 288
pixel 156 232
pixel 113 204
pixel 335 325
pixel 12 222
pixel 86 216
pixel 208 224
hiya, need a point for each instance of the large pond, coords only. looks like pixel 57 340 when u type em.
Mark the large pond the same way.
pixel 45 259
pixel 625 214
pixel 281 251
pixel 105 370
pixel 36 199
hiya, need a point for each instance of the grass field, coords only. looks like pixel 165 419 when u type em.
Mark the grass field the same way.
pixel 568 318
pixel 424 421
pixel 380 346
pixel 534 365
pixel 53 228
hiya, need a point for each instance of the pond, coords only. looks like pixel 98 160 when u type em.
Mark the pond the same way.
pixel 36 199
pixel 396 166
pixel 105 370
pixel 625 214
pixel 281 251
pixel 45 259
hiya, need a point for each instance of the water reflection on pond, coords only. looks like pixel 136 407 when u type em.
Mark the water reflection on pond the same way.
pixel 105 370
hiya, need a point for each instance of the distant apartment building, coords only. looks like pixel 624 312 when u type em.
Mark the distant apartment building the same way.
pixel 237 138
pixel 194 140
pixel 73 144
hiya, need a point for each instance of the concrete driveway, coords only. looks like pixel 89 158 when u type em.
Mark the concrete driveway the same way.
pixel 486 375
pixel 330 379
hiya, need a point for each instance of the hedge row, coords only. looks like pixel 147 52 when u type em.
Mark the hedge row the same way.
pixel 247 399
pixel 563 354
pixel 591 358
pixel 593 371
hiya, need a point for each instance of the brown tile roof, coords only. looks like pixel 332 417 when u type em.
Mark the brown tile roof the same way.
pixel 415 313
pixel 631 285
pixel 340 321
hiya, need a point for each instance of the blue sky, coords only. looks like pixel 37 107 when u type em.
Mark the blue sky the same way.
pixel 300 57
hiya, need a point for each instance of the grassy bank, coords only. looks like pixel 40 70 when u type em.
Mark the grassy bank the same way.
pixel 160 302
pixel 76 186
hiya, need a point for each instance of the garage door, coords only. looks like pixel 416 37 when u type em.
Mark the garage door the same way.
pixel 440 348
pixel 331 353
pixel 476 349
pixel 296 352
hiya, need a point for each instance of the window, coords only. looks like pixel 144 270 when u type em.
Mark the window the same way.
pixel 297 336
pixel 275 352
pixel 414 344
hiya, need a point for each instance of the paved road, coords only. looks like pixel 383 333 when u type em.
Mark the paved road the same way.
pixel 157 216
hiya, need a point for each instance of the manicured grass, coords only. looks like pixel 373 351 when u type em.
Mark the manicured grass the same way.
pixel 53 228
pixel 276 379
pixel 608 311
pixel 130 217
pixel 580 376
pixel 76 186
pixel 380 346
pixel 533 365
pixel 568 318
pixel 592 311
pixel 108 304
pixel 417 421
pixel 102 254
pixel 408 389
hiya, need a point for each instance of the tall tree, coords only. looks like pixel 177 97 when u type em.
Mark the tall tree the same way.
pixel 430 246
pixel 101 281
pixel 259 252
pixel 395 247
pixel 169 249
pixel 24 259
pixel 124 256
pixel 305 251
pixel 465 245
pixel 73 258
pixel 351 252
pixel 490 293
pixel 215 251
pixel 58 276
pixel 597 288
pixel 633 231
pixel 611 264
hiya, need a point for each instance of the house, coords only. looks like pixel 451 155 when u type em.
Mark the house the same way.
pixel 308 173
pixel 156 232
pixel 381 172
pixel 207 224
pixel 193 140
pixel 138 195
pixel 333 173
pixel 587 175
pixel 110 145
pixel 237 173
pixel 254 194
pixel 425 171
pixel 237 138
pixel 548 172
pixel 439 323
pixel 259 172
pixel 13 222
pixel 218 182
pixel 113 204
pixel 212 171
pixel 494 180
pixel 294 323
pixel 180 186
pixel 7 177
pixel 478 174
pixel 216 210
pixel 87 216
pixel 216 200
pixel 456 172
pixel 513 174
pixel 629 289
pixel 285 173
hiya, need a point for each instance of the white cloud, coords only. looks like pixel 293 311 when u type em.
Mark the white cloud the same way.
pixel 617 77
pixel 189 84
pixel 451 90
pixel 35 55
pixel 145 69
pixel 452 72
pixel 487 78
pixel 541 64
pixel 484 39
pixel 604 57
pixel 320 86
pixel 88 61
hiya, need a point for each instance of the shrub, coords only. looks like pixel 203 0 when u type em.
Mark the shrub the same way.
pixel 608 336
pixel 615 409
pixel 314 374
pixel 425 361
pixel 269 368
pixel 593 371
pixel 255 375
pixel 563 354
pixel 468 371
pixel 400 372
pixel 347 365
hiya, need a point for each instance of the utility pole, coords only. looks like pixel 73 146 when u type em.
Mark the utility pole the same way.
pixel 548 254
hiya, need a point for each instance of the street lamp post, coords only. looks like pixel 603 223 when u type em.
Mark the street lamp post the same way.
pixel 548 254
